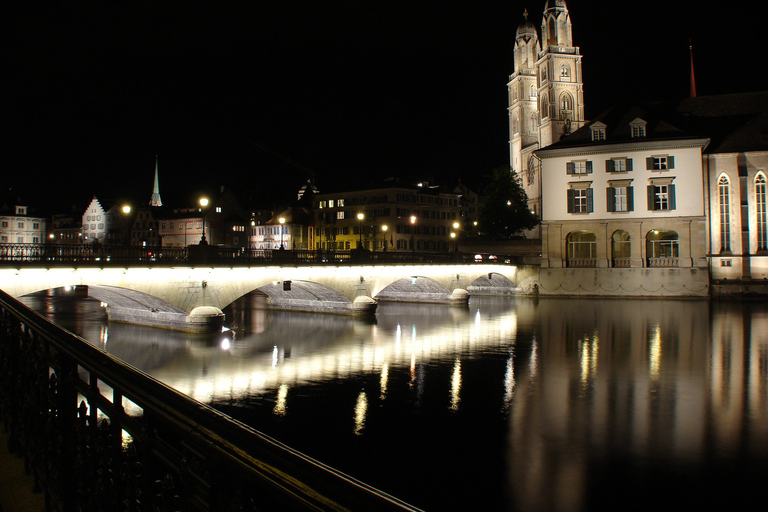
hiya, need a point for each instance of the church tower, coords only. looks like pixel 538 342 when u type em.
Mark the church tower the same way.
pixel 155 199
pixel 561 91
pixel 546 96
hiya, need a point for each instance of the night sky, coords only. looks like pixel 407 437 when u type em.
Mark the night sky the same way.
pixel 226 93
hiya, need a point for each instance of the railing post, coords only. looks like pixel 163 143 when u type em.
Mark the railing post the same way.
pixel 64 437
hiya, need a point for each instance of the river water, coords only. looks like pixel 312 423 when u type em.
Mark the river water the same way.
pixel 510 404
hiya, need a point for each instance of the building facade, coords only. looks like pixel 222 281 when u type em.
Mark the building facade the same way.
pixel 624 208
pixel 545 94
pixel 387 219
pixel 94 223
pixel 18 227
pixel 736 173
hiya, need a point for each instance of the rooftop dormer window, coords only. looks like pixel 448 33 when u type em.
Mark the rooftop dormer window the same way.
pixel 637 128
pixel 21 210
pixel 598 132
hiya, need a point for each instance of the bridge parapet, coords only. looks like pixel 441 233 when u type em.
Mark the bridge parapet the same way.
pixel 170 452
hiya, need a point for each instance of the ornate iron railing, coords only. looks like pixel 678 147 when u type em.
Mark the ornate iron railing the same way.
pixel 99 435
pixel 51 255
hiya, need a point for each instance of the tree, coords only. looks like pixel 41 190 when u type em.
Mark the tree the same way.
pixel 506 209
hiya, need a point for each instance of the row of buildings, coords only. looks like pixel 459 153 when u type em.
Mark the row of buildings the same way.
pixel 392 217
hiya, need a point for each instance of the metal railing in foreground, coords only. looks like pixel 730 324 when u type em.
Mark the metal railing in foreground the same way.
pixel 98 434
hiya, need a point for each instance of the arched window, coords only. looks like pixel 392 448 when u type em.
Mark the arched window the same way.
pixel 581 249
pixel 566 105
pixel 534 123
pixel 565 73
pixel 620 249
pixel 544 108
pixel 760 204
pixel 661 248
pixel 515 124
pixel 532 93
pixel 724 200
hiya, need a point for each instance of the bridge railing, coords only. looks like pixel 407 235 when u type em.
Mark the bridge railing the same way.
pixel 98 434
pixel 115 255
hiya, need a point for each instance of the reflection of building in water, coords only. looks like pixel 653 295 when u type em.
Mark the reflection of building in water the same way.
pixel 607 380
pixel 739 380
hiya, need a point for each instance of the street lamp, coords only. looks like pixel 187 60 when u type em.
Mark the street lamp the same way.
pixel 281 220
pixel 413 222
pixel 124 228
pixel 455 235
pixel 384 229
pixel 203 204
pixel 360 217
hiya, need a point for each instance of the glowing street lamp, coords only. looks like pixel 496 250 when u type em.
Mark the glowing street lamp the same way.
pixel 455 235
pixel 281 220
pixel 360 217
pixel 384 229
pixel 203 205
pixel 413 223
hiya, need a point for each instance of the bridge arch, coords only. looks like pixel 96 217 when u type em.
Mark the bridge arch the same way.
pixel 188 288
pixel 416 289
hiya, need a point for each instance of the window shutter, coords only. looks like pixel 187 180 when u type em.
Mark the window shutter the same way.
pixel 650 198
pixel 571 200
pixel 590 201
pixel 589 166
pixel 609 165
pixel 610 197
pixel 671 195
pixel 670 162
pixel 629 164
pixel 649 163
pixel 569 167
pixel 630 199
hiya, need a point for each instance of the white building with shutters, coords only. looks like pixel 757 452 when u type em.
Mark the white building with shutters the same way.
pixel 624 207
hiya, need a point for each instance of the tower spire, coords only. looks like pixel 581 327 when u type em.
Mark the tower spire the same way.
pixel 693 78
pixel 155 200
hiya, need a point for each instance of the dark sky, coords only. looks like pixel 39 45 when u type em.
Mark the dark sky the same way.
pixel 354 91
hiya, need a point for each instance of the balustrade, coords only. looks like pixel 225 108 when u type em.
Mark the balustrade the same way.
pixel 51 255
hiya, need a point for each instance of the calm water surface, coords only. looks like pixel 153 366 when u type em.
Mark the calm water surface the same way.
pixel 509 404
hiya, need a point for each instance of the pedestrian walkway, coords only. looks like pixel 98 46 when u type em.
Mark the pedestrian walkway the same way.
pixel 15 485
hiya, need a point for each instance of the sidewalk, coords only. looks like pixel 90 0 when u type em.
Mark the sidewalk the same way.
pixel 15 485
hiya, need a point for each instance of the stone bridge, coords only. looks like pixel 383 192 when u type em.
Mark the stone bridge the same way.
pixel 191 298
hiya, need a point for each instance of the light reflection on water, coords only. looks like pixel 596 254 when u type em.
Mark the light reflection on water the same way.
pixel 516 404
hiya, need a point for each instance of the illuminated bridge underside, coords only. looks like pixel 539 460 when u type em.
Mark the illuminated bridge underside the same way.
pixel 185 290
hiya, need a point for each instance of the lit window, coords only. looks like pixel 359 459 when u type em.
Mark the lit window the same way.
pixel 724 200
pixel 340 214
pixel 660 163
pixel 340 203
pixel 762 219
pixel 330 203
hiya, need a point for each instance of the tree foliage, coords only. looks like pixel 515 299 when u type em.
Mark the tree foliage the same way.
pixel 506 210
